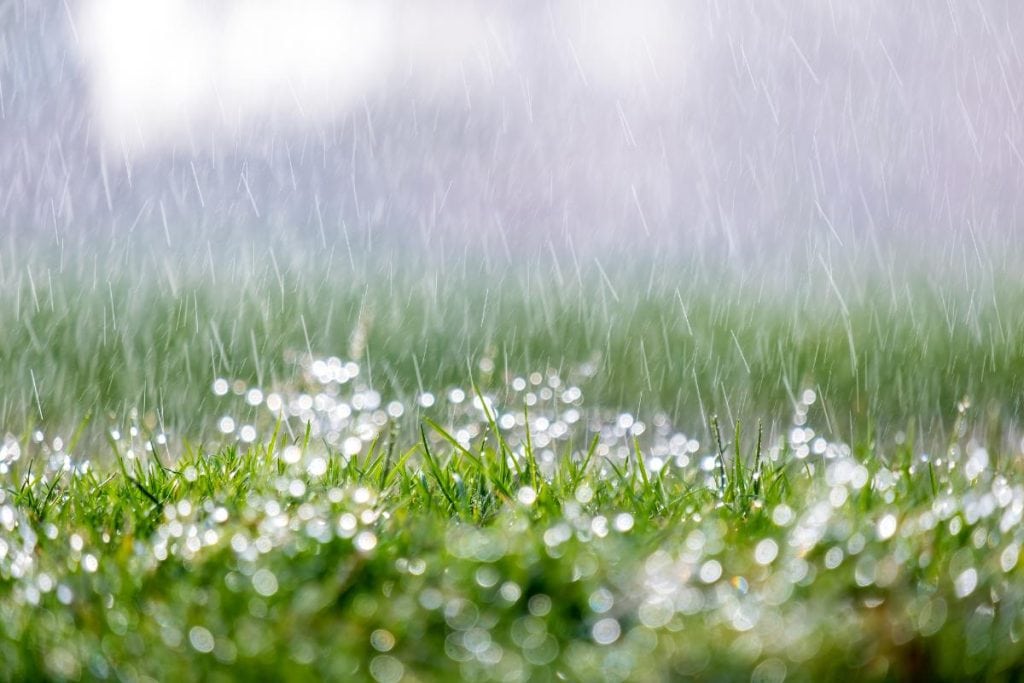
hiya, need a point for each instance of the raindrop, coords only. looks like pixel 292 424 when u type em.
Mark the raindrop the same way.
pixel 1008 558
pixel 606 631
pixel 527 496
pixel 201 639
pixel 365 541
pixel 886 527
pixel 317 467
pixel 382 640
pixel 264 582
pixel 352 446
pixel 623 522
pixel 710 571
pixel 601 600
pixel 386 669
pixel 766 551
pixel 966 582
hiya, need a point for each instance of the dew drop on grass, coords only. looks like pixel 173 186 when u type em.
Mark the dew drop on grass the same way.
pixel 526 496
pixel 539 605
pixel 317 467
pixel 64 594
pixel 977 463
pixel 291 454
pixel 386 669
pixel 510 591
pixel 365 541
pixel 606 631
pixel 623 522
pixel 766 551
pixel 1008 558
pixel 834 557
pixel 769 671
pixel 584 494
pixel 201 639
pixel 966 582
pixel 710 571
pixel 264 582
pixel 352 446
pixel 382 640
pixel 239 543
pixel 886 527
pixel 601 601
pixel 782 515
pixel 487 576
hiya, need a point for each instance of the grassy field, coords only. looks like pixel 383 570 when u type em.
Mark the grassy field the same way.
pixel 571 471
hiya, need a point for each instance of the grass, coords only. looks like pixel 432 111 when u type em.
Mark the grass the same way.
pixel 81 342
pixel 450 561
pixel 575 474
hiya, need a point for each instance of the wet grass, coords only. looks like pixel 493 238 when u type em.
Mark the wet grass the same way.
pixel 887 355
pixel 481 561
pixel 576 474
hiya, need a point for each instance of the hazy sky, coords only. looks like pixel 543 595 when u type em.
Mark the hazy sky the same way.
pixel 741 128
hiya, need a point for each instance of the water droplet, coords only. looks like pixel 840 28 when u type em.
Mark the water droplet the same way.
pixel 526 496
pixel 365 541
pixel 886 527
pixel 201 639
pixel 623 522
pixel 710 571
pixel 966 582
pixel 264 582
pixel 606 631
pixel 766 551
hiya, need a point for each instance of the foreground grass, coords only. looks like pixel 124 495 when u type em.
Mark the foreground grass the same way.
pixel 441 559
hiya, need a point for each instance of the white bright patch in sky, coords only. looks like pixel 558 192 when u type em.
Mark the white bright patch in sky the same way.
pixel 171 72
pixel 170 68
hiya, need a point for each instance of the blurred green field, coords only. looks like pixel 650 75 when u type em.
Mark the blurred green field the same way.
pixel 884 355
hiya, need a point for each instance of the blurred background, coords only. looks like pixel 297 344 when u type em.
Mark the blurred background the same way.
pixel 784 133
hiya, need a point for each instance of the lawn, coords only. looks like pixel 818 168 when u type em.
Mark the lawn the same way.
pixel 564 471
